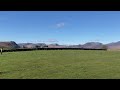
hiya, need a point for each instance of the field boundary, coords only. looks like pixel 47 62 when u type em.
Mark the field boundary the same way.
pixel 14 50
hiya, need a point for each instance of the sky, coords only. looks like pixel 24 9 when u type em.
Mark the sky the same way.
pixel 62 27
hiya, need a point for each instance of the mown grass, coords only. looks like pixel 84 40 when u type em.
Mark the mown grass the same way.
pixel 60 64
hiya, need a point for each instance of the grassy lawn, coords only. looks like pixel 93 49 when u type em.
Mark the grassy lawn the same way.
pixel 60 64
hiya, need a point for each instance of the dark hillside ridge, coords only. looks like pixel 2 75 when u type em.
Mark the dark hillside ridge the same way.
pixel 11 45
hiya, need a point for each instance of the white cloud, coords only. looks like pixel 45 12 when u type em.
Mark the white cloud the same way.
pixel 45 41
pixel 52 40
pixel 97 40
pixel 60 25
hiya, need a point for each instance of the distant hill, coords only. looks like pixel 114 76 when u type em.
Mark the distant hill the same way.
pixel 27 45
pixel 9 45
pixel 31 45
pixel 89 45
pixel 75 46
pixel 93 45
pixel 114 45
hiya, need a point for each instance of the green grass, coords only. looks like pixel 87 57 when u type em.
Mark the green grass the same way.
pixel 60 64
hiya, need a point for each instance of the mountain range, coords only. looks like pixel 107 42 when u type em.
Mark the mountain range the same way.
pixel 93 45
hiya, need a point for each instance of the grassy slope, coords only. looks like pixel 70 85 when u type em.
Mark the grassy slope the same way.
pixel 60 64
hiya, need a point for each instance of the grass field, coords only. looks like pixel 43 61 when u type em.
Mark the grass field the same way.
pixel 60 64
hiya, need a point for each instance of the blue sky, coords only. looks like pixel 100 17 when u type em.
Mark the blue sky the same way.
pixel 63 27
